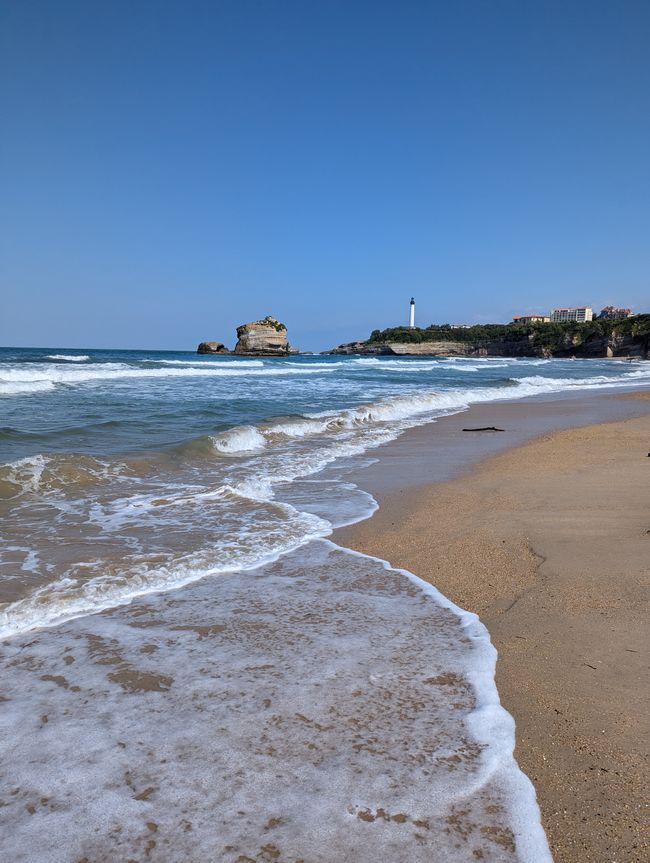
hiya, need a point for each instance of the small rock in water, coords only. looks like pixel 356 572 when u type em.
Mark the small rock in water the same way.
pixel 212 348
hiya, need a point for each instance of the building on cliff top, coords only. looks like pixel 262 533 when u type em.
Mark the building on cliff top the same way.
pixel 578 314
pixel 613 313
pixel 530 319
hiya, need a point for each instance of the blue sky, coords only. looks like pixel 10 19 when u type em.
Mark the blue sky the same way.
pixel 172 169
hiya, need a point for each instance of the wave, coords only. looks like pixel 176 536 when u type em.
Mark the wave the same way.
pixel 71 597
pixel 246 439
pixel 538 383
pixel 389 362
pixel 426 405
pixel 72 473
pixel 69 358
pixel 243 439
pixel 442 364
pixel 211 363
pixel 22 380
pixel 23 387
pixel 249 463
pixel 24 474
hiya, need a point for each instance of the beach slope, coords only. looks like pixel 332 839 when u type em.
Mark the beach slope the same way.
pixel 550 544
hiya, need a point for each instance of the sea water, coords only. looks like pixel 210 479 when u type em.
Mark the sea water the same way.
pixel 250 691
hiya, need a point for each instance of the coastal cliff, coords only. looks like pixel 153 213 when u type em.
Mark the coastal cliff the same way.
pixel 599 339
pixel 267 337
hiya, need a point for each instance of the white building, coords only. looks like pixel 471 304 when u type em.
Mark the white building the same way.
pixel 412 314
pixel 579 314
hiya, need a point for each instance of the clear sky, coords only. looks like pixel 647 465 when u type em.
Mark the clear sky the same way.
pixel 169 170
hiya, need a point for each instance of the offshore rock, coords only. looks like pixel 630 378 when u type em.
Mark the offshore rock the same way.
pixel 267 338
pixel 212 348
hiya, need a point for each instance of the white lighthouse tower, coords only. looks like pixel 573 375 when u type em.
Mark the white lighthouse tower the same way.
pixel 412 314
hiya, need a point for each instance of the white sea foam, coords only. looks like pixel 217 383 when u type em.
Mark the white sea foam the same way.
pixel 417 404
pixel 446 364
pixel 537 383
pixel 23 387
pixel 25 473
pixel 242 439
pixel 33 378
pixel 267 457
pixel 361 702
pixel 280 467
pixel 70 597
pixel 296 428
pixel 414 408
pixel 69 358
pixel 388 363
pixel 211 363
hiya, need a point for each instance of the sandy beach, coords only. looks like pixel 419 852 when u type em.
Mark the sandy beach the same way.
pixel 194 701
pixel 549 542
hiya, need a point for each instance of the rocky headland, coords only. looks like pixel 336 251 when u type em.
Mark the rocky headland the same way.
pixel 263 338
pixel 628 338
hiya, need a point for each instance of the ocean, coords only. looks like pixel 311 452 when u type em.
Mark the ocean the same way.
pixel 284 697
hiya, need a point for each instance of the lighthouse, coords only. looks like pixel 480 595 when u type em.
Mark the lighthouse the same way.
pixel 412 314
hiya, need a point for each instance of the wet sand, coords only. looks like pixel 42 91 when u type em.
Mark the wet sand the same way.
pixel 549 542
pixel 315 709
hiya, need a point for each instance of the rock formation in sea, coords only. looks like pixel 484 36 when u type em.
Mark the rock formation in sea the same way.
pixel 267 337
pixel 212 348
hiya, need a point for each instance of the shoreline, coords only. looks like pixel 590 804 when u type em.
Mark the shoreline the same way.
pixel 320 664
pixel 545 537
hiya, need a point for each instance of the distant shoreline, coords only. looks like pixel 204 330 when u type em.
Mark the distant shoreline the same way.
pixel 603 339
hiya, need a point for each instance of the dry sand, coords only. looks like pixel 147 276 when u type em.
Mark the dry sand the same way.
pixel 550 544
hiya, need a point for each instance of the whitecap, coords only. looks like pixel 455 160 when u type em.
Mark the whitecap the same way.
pixel 69 358
pixel 25 473
pixel 240 439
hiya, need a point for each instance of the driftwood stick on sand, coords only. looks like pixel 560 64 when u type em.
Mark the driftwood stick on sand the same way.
pixel 485 428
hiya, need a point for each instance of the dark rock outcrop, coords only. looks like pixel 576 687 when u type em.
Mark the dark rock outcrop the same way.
pixel 212 348
pixel 266 338
pixel 362 348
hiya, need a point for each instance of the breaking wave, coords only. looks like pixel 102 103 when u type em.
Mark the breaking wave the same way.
pixel 25 380
pixel 22 387
pixel 160 503
pixel 211 363
pixel 242 439
pixel 414 408
pixel 75 596
pixel 69 358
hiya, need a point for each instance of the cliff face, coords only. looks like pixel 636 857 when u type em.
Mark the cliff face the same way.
pixel 516 345
pixel 267 337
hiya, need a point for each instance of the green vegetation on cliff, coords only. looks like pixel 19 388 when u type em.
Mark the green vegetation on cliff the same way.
pixel 544 335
